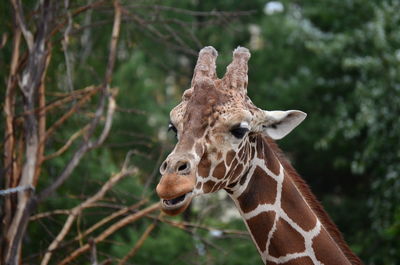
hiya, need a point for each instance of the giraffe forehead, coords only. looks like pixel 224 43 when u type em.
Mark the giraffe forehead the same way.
pixel 207 106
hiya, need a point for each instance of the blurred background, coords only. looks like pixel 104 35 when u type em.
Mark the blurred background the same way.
pixel 87 90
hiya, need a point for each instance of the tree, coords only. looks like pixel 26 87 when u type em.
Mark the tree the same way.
pixel 59 112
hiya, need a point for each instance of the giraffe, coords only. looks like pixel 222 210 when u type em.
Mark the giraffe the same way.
pixel 226 142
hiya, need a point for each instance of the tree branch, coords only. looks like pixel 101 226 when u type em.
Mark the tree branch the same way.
pixel 107 219
pixel 29 84
pixel 76 211
pixel 9 137
pixel 139 243
pixel 111 230
pixel 21 23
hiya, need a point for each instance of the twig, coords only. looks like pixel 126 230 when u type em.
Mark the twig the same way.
pixel 86 146
pixel 71 95
pixel 76 12
pixel 176 36
pixel 126 110
pixel 196 13
pixel 79 208
pixel 9 137
pixel 153 174
pixel 41 119
pixel 65 43
pixel 106 95
pixel 68 114
pixel 61 102
pixel 46 214
pixel 112 229
pixel 67 144
pixel 85 39
pixel 154 33
pixel 109 218
pixel 114 41
pixel 184 225
pixel 93 252
pixel 22 25
pixel 139 243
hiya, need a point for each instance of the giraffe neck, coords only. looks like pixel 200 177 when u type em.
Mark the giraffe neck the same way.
pixel 285 220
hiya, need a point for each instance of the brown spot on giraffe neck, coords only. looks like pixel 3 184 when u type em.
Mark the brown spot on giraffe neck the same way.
pixel 244 177
pixel 326 251
pixel 260 189
pixel 208 186
pixel 260 226
pixel 294 205
pixel 285 240
pixel 219 171
pixel 271 161
pixel 237 171
pixel 204 166
pixel 229 157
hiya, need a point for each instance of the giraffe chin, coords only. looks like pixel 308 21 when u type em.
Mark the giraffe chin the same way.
pixel 177 205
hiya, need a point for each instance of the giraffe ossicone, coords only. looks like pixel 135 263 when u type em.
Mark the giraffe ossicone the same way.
pixel 226 142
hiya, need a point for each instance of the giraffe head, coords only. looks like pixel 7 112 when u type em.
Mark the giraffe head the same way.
pixel 214 124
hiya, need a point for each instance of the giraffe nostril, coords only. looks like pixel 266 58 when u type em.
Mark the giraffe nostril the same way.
pixel 183 167
pixel 163 167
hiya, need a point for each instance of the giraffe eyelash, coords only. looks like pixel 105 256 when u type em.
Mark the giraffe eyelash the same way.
pixel 171 127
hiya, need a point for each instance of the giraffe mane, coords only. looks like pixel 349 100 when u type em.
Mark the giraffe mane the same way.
pixel 313 202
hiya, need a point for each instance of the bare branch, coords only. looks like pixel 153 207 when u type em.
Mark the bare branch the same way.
pixel 111 230
pixel 114 41
pixel 60 102
pixel 68 114
pixel 186 225
pixel 21 23
pixel 77 11
pixel 130 110
pixel 76 211
pixel 86 41
pixel 93 252
pixel 46 214
pixel 107 219
pixel 106 95
pixel 139 243
pixel 65 43
pixel 29 84
pixel 41 120
pixel 109 119
pixel 9 137
pixel 195 13
pixel 67 144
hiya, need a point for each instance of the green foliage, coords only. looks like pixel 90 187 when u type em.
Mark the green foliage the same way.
pixel 344 71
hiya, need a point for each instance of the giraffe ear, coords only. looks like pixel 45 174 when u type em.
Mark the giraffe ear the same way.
pixel 279 123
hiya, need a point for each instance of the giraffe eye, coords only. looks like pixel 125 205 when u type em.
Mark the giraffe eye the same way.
pixel 172 127
pixel 239 132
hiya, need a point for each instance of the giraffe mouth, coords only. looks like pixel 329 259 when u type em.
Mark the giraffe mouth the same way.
pixel 176 205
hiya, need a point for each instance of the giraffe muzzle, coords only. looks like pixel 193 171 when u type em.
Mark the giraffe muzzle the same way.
pixel 176 205
pixel 175 192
